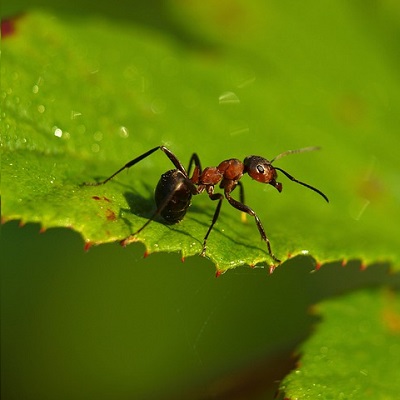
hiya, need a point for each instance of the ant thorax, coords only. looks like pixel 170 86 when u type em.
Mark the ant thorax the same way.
pixel 231 169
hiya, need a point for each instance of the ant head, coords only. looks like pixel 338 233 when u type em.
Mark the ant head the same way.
pixel 261 170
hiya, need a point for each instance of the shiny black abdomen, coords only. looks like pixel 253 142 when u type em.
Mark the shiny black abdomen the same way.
pixel 174 190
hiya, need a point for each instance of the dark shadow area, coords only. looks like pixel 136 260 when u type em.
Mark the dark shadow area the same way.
pixel 46 273
pixel 351 277
pixel 139 205
pixel 145 208
pixel 261 378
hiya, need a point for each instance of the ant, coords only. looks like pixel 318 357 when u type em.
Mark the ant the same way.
pixel 175 188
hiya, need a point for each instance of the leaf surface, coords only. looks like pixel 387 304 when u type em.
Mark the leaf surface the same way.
pixel 81 97
pixel 354 352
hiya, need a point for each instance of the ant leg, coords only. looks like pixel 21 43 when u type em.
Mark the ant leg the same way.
pixel 243 216
pixel 132 237
pixel 242 207
pixel 213 196
pixel 127 165
pixel 194 159
pixel 167 152
pixel 174 160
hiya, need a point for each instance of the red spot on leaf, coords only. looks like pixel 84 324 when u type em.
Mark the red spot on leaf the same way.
pixel 344 263
pixel 318 265
pixel 363 266
pixel 8 26
pixel 101 198
pixel 88 245
pixel 146 254
pixel 218 274
pixel 110 215
pixel 183 259
pixel 42 229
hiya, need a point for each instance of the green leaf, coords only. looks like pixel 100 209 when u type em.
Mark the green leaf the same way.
pixel 81 97
pixel 354 352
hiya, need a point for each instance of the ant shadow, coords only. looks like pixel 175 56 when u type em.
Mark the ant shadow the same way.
pixel 238 243
pixel 145 207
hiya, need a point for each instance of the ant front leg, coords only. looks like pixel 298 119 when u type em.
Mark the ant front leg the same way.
pixel 242 207
pixel 213 196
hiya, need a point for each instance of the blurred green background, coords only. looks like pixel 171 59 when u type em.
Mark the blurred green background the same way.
pixel 108 324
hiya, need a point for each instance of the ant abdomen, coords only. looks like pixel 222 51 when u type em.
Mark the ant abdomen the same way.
pixel 173 196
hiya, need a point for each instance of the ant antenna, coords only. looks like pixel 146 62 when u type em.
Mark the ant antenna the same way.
pixel 302 183
pixel 286 153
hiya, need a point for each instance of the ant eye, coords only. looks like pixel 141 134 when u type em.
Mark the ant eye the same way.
pixel 260 169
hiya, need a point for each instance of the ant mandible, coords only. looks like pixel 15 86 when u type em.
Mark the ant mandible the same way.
pixel 175 188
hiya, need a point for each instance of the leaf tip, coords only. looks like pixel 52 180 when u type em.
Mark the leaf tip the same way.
pixel 88 245
pixel 219 273
pixel 123 242
pixel 363 266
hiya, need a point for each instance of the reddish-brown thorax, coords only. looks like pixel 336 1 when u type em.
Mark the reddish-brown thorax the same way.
pixel 229 169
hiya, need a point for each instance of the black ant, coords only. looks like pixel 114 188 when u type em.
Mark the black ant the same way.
pixel 175 188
